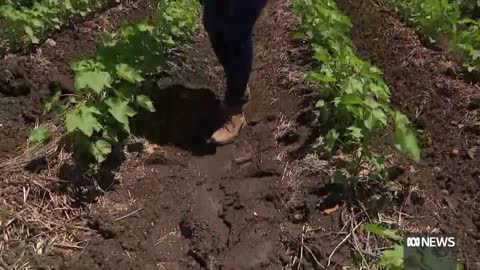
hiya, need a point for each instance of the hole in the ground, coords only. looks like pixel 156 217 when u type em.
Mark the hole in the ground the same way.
pixel 186 228
pixel 37 165
pixel 185 117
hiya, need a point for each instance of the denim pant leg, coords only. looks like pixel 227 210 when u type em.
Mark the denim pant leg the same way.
pixel 238 66
pixel 229 24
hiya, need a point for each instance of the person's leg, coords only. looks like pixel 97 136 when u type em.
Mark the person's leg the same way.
pixel 214 21
pixel 239 49
pixel 229 24
pixel 238 66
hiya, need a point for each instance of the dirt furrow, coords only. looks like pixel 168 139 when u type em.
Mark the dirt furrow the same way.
pixel 181 206
pixel 259 204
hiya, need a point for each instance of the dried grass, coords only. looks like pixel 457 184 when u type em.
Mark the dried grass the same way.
pixel 37 212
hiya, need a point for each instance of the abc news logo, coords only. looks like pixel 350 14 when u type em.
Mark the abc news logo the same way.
pixel 431 241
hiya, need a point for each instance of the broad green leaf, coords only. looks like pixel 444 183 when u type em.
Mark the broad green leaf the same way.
pixel 93 109
pixel 355 132
pixel 29 31
pixel 380 91
pixel 83 119
pixel 101 149
pixel 38 135
pixel 381 231
pixel 94 80
pixel 68 5
pixel 380 116
pixel 128 73
pixel 393 259
pixel 145 102
pixel 370 102
pixel 356 110
pixel 120 110
pixel 351 99
pixel 353 85
pixel 475 54
pixel 321 54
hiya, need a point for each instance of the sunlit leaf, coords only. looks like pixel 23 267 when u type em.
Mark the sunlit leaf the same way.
pixel 38 135
pixel 83 119
pixel 381 231
pixel 145 102
pixel 393 259
pixel 128 73
pixel 121 111
pixel 94 80
pixel 101 149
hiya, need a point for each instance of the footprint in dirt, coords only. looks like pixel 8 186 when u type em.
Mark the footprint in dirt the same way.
pixel 185 117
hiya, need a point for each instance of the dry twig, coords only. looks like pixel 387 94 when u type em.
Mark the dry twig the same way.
pixel 129 214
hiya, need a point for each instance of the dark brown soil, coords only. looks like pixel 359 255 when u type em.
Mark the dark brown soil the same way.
pixel 26 81
pixel 265 201
pixel 426 86
pixel 209 208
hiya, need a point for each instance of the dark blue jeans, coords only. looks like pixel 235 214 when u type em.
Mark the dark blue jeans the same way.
pixel 230 24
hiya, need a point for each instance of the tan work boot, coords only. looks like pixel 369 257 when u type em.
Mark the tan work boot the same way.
pixel 231 128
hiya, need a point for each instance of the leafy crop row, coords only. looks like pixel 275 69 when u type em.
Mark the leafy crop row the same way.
pixel 353 99
pixel 437 19
pixel 28 24
pixel 107 84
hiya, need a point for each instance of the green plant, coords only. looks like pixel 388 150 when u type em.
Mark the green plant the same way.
pixel 38 135
pixel 444 18
pixel 28 24
pixel 353 100
pixel 432 17
pixel 107 84
pixel 467 42
pixel 393 257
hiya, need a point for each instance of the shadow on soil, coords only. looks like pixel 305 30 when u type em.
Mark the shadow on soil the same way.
pixel 185 117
